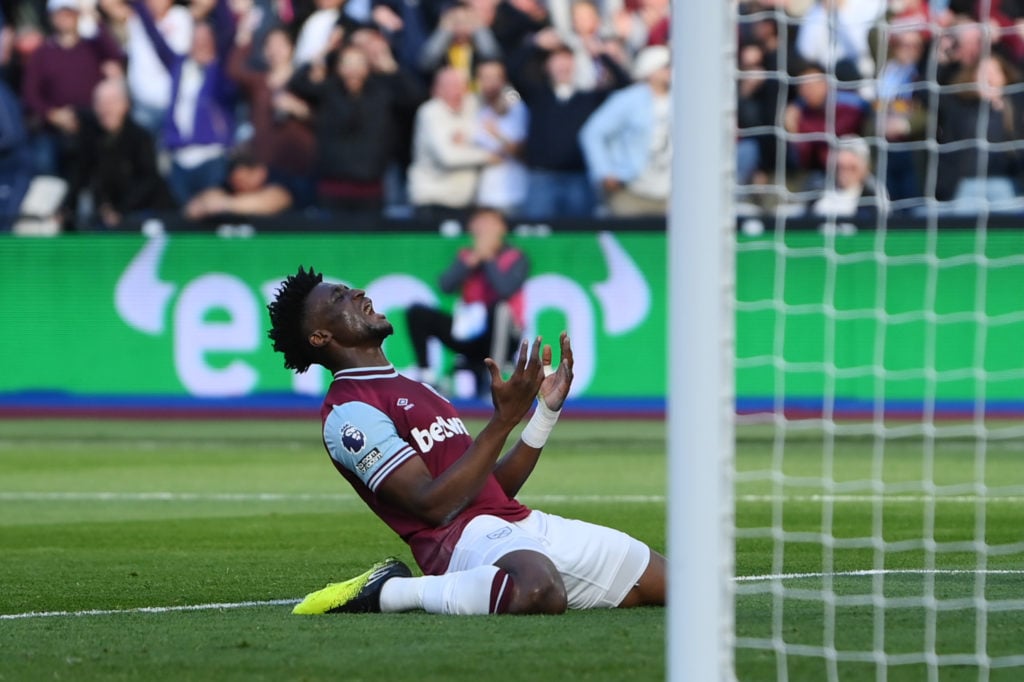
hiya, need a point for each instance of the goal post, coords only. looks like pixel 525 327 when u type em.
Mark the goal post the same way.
pixel 866 525
pixel 700 398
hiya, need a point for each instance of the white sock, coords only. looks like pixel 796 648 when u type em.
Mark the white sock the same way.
pixel 479 591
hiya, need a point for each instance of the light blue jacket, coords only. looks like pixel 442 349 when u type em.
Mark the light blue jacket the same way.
pixel 616 139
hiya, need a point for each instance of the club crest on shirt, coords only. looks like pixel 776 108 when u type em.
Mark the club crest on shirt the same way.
pixel 352 438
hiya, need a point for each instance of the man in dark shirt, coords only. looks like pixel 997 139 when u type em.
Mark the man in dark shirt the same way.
pixel 117 164
pixel 558 184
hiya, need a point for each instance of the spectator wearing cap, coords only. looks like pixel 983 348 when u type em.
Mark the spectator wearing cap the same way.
pixel 59 79
pixel 627 140
pixel 558 185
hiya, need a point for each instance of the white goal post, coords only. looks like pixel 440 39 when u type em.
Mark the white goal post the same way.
pixel 700 398
pixel 869 524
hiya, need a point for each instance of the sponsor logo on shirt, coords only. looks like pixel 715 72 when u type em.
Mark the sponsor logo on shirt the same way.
pixel 440 430
pixel 371 458
pixel 352 438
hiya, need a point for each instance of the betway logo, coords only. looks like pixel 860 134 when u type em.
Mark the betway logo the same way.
pixel 441 429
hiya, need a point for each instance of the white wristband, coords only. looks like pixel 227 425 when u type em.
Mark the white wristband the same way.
pixel 539 427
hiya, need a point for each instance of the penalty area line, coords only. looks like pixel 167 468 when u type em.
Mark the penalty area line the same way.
pixel 150 609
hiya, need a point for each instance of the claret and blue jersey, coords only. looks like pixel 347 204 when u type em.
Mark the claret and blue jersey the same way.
pixel 375 420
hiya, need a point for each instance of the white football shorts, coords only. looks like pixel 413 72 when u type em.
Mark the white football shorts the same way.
pixel 599 565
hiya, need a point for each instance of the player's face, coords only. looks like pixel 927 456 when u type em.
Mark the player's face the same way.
pixel 347 314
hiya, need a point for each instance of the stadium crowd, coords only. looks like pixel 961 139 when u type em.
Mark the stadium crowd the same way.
pixel 539 108
pixel 905 106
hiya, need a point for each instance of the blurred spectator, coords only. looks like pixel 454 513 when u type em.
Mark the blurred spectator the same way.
pixel 516 20
pixel 501 130
pixel 757 99
pixel 149 81
pixel 647 24
pixel 322 31
pixel 627 141
pixel 901 107
pixel 117 169
pixel 445 161
pixel 372 41
pixel 590 43
pixel 15 158
pixel 854 193
pixel 406 26
pixel 200 126
pixel 984 114
pixel 356 106
pixel 248 191
pixel 485 274
pixel 1005 21
pixel 820 108
pixel 282 134
pixel 558 184
pixel 913 15
pixel 460 41
pixel 59 78
pixel 834 33
pixel 960 48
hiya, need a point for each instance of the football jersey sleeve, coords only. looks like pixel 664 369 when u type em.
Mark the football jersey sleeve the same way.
pixel 364 440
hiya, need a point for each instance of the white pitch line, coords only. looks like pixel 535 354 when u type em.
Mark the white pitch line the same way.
pixel 149 609
pixel 289 602
pixel 877 571
pixel 167 496
pixel 158 496
pixel 888 499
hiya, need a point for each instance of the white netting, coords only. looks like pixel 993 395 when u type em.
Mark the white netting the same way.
pixel 880 341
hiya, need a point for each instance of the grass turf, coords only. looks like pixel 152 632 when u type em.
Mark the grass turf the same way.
pixel 255 512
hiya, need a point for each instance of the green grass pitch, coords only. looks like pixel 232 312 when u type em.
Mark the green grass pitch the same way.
pixel 115 516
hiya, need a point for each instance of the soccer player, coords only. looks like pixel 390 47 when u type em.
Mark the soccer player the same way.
pixel 409 456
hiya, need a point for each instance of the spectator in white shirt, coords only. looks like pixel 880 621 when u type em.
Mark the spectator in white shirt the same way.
pixel 446 163
pixel 503 120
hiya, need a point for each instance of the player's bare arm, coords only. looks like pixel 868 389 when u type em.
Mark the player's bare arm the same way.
pixel 438 500
pixel 518 463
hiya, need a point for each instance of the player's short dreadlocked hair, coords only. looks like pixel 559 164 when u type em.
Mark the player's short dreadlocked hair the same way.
pixel 287 324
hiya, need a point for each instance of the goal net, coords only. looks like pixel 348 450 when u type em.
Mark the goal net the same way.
pixel 879 462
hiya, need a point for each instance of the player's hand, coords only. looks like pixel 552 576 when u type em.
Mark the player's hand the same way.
pixel 557 380
pixel 513 397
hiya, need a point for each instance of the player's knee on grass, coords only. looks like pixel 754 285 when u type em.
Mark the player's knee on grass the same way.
pixel 537 586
